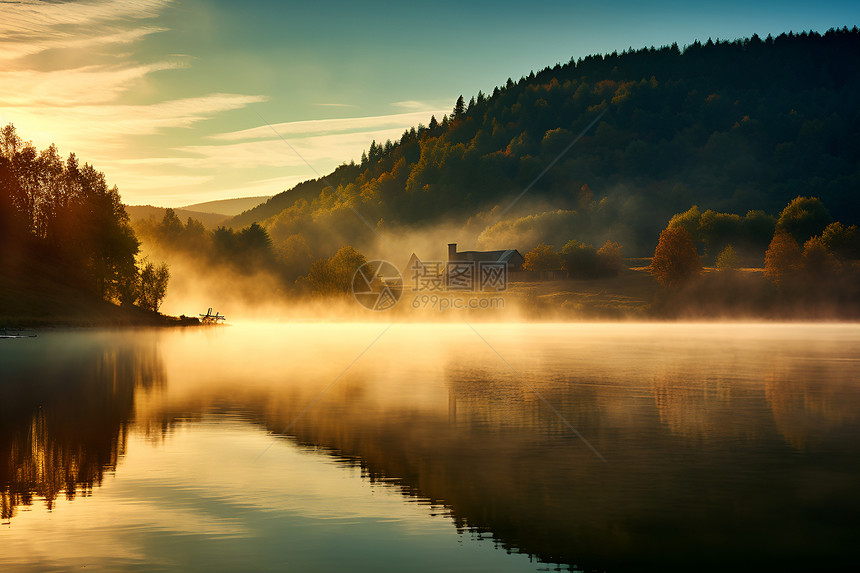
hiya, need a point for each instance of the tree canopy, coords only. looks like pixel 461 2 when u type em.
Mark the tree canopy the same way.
pixel 675 259
pixel 542 258
pixel 65 212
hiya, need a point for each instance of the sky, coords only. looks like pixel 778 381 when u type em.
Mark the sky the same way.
pixel 185 101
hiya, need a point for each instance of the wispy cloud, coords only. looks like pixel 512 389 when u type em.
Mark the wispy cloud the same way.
pixel 323 143
pixel 97 127
pixel 89 101
pixel 79 101
pixel 330 126
pixel 410 104
pixel 334 105
pixel 72 87
pixel 32 26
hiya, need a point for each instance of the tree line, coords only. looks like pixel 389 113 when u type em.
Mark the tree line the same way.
pixel 62 213
pixel 811 263
pixel 250 252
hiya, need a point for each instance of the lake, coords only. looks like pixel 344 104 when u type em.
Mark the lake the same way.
pixel 432 447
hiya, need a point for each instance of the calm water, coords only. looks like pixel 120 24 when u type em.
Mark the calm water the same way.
pixel 310 447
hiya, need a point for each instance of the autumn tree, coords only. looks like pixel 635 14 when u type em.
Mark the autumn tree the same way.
pixel 542 258
pixel 68 213
pixel 152 286
pixel 334 275
pixel 818 261
pixel 804 217
pixel 842 241
pixel 580 260
pixel 727 260
pixel 783 258
pixel 611 260
pixel 675 259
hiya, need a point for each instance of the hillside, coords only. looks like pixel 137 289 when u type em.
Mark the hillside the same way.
pixel 229 207
pixel 137 213
pixel 730 126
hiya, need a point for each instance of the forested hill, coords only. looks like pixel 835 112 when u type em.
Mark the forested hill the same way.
pixel 732 126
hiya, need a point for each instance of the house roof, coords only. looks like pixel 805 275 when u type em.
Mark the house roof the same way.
pixel 501 256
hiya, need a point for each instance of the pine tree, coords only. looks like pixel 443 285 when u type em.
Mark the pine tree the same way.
pixel 459 109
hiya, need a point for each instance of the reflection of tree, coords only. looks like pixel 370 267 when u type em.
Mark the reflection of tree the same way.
pixel 694 404
pixel 65 407
pixel 813 401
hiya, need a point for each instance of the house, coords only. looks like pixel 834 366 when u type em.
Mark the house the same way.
pixel 511 256
pixel 482 271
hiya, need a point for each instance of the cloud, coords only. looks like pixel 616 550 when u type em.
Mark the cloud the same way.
pixel 293 129
pixel 323 143
pixel 85 102
pixel 146 181
pixel 32 26
pixel 96 128
pixel 77 101
pixel 410 104
pixel 72 87
pixel 334 105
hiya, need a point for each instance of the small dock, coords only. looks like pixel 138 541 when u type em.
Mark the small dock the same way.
pixel 15 333
pixel 212 319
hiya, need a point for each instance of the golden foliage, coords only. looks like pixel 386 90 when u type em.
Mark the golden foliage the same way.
pixel 542 258
pixel 783 257
pixel 675 259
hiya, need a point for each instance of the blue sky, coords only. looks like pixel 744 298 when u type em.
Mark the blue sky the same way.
pixel 167 96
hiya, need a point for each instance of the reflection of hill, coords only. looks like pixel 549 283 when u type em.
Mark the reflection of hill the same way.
pixel 697 477
pixel 502 464
pixel 65 407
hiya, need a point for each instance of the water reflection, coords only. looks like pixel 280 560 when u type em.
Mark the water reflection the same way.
pixel 65 410
pixel 725 445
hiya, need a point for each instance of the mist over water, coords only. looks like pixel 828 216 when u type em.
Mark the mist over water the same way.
pixel 264 446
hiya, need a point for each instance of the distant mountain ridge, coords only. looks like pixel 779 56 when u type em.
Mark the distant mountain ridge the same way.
pixel 229 207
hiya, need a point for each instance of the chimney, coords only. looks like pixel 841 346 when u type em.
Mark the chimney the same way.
pixel 452 251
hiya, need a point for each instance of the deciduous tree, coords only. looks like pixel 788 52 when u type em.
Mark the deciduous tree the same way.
pixel 542 258
pixel 727 260
pixel 783 258
pixel 334 275
pixel 153 286
pixel 675 259
pixel 804 217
